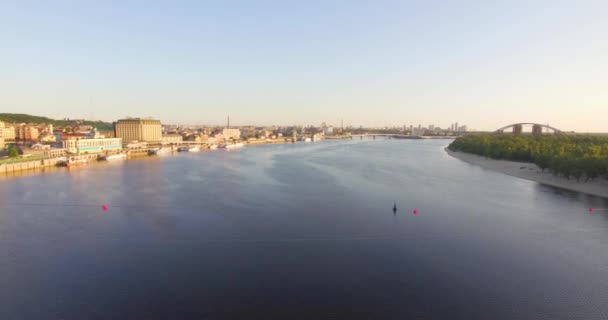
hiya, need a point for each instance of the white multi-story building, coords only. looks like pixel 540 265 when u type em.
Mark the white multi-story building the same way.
pixel 80 146
pixel 171 138
pixel 228 134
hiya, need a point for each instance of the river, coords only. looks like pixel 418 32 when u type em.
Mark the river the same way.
pixel 299 231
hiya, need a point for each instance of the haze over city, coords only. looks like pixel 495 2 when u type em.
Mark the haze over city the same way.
pixel 373 63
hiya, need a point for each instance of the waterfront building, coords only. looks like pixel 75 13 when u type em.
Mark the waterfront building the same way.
pixel 137 129
pixel 229 134
pixel 195 138
pixel 68 136
pixel 1 135
pixel 94 134
pixel 40 146
pixel 328 130
pixel 136 145
pixel 80 146
pixel 107 133
pixel 55 153
pixel 8 133
pixel 26 132
pixel 171 138
pixel 418 132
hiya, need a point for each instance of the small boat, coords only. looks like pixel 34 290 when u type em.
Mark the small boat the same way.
pixel 234 145
pixel 159 152
pixel 75 162
pixel 213 147
pixel 194 149
pixel 118 156
pixel 307 140
pixel 183 149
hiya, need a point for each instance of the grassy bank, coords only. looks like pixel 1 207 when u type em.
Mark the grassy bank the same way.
pixel 20 159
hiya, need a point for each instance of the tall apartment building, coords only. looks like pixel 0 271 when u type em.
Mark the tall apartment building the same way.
pixel 137 129
pixel 26 132
pixel 8 133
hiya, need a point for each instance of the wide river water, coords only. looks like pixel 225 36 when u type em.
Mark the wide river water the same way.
pixel 299 231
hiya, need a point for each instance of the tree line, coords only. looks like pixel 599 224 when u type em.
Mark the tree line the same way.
pixel 26 118
pixel 571 156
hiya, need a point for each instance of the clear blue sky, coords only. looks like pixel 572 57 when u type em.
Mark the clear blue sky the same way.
pixel 481 63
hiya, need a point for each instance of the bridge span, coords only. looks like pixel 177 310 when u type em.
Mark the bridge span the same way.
pixel 537 128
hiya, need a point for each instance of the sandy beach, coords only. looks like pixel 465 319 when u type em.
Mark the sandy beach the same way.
pixel 530 171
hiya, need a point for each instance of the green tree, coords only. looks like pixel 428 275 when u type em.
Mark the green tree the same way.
pixel 13 152
pixel 575 156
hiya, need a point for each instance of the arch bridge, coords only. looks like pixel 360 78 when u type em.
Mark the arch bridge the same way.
pixel 537 128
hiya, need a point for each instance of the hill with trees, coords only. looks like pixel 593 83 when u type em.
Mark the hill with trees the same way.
pixel 576 156
pixel 26 118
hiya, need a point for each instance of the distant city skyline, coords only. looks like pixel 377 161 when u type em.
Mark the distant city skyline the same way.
pixel 370 63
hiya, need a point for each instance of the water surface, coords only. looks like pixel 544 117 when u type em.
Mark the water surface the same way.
pixel 303 231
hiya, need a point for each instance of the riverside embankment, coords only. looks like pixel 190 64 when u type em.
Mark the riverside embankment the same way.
pixel 531 171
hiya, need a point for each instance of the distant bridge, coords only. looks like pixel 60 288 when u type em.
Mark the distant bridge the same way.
pixel 537 128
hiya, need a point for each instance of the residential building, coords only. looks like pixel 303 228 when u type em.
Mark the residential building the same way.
pixel 418 132
pixel 195 138
pixel 229 134
pixel 80 146
pixel 8 133
pixel 45 129
pixel 137 129
pixel 1 135
pixel 94 134
pixel 171 138
pixel 26 132
pixel 68 136
pixel 107 133
pixel 328 130
pixel 47 138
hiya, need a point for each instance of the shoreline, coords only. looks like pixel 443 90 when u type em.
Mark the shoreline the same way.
pixel 39 166
pixel 530 171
